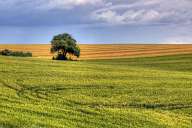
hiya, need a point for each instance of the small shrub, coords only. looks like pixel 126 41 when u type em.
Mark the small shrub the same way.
pixel 7 52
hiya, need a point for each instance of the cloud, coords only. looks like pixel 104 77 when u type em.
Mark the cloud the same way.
pixel 128 17
pixel 110 11
pixel 105 11
pixel 47 4
pixel 67 4
pixel 47 12
pixel 146 12
pixel 179 39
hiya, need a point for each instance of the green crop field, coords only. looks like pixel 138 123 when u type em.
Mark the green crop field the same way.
pixel 145 92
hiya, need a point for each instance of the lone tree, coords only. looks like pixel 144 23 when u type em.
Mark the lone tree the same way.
pixel 65 46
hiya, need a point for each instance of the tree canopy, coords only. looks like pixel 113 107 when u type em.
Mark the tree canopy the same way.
pixel 65 46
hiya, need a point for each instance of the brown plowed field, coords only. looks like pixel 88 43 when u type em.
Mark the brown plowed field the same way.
pixel 107 51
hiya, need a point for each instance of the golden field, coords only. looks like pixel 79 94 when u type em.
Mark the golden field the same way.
pixel 102 51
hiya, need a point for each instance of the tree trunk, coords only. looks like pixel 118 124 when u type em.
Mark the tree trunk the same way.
pixel 64 53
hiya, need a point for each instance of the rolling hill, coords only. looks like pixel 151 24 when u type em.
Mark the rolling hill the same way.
pixel 143 92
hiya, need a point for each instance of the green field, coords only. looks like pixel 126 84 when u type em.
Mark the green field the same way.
pixel 148 92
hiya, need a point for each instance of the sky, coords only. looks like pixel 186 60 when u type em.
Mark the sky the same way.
pixel 96 21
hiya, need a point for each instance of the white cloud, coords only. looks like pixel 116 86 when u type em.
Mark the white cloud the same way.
pixel 179 39
pixel 67 4
pixel 146 12
pixel 48 4
pixel 128 17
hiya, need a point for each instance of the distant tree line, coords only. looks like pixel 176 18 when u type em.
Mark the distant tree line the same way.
pixel 7 52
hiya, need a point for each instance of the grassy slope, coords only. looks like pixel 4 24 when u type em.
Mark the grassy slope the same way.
pixel 151 92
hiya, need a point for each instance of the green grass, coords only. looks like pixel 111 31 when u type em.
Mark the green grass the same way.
pixel 153 92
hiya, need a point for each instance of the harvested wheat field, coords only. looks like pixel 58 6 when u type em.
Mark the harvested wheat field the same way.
pixel 104 51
